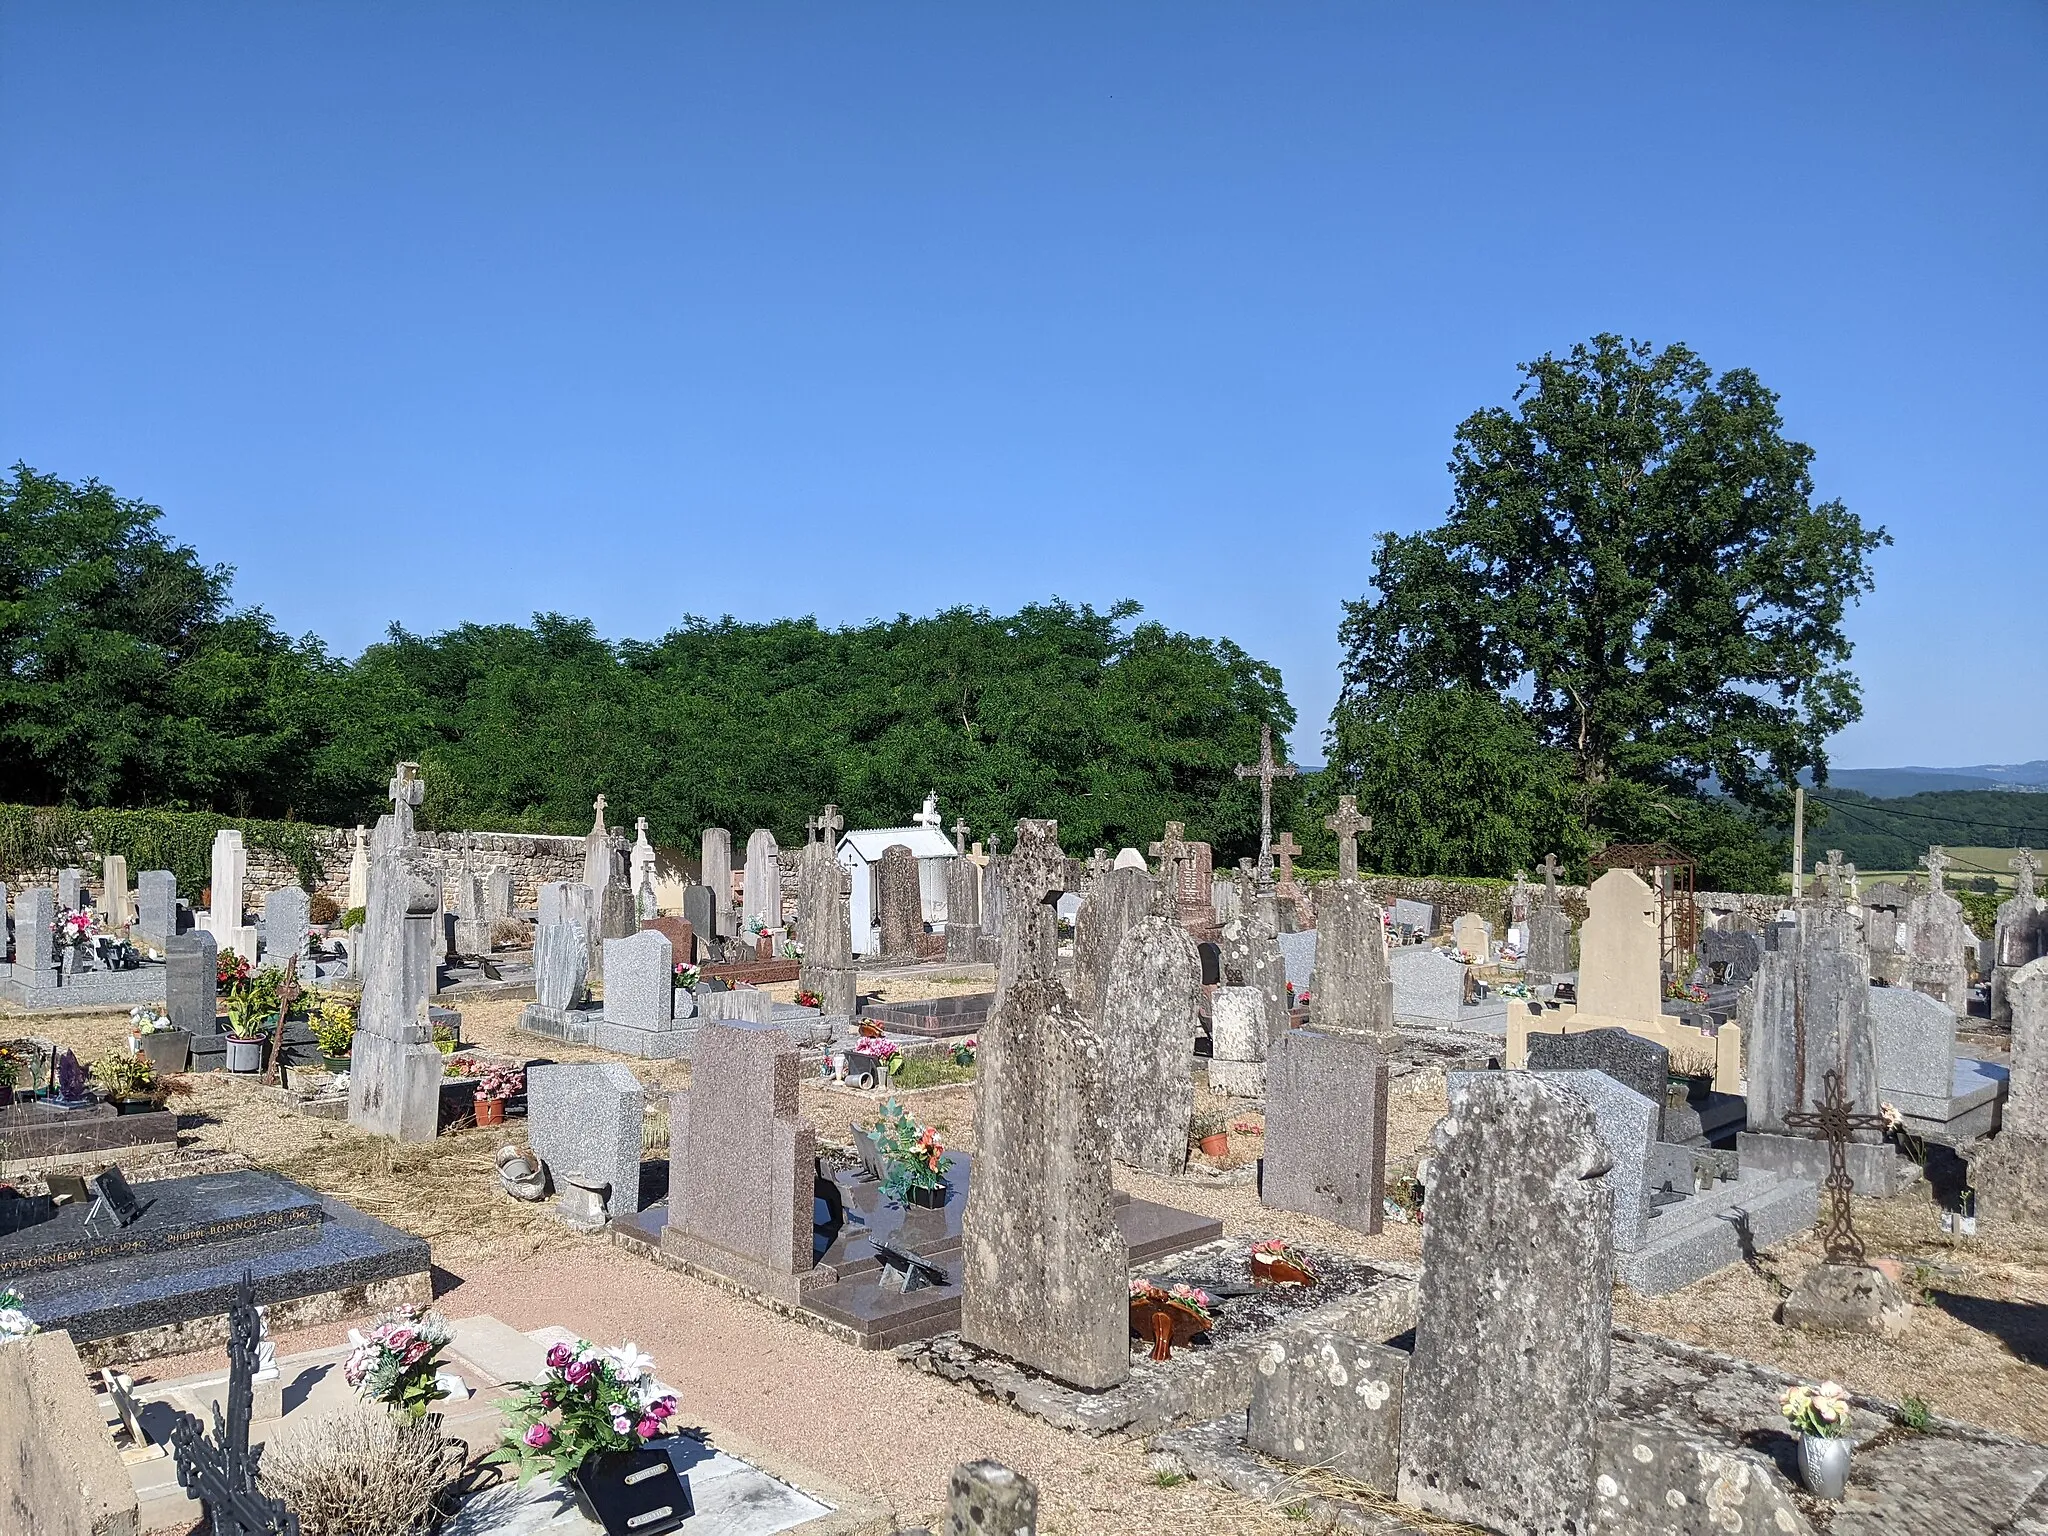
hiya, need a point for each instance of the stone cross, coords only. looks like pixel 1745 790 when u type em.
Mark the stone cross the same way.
pixel 1837 879
pixel 1099 863
pixel 960 830
pixel 1832 1120
pixel 1266 770
pixel 929 816
pixel 1347 824
pixel 1286 849
pixel 597 805
pixel 1550 879
pixel 1934 861
pixel 1171 851
pixel 829 824
pixel 406 793
pixel 2025 866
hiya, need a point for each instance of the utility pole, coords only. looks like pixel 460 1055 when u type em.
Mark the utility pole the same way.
pixel 1798 839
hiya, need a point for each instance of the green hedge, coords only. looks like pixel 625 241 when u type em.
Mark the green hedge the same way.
pixel 52 837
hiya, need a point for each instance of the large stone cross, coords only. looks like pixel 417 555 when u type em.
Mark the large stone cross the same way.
pixel 1837 879
pixel 1934 861
pixel 1266 770
pixel 1172 851
pixel 407 791
pixel 1347 824
pixel 1550 879
pixel 1099 863
pixel 597 805
pixel 829 823
pixel 1286 849
pixel 1832 1120
pixel 2024 867
pixel 960 830
pixel 929 816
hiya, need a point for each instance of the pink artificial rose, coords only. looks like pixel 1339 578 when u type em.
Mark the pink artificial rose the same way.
pixel 647 1429
pixel 540 1437
pixel 400 1338
pixel 578 1372
pixel 421 1348
pixel 662 1407
pixel 560 1356
pixel 547 1399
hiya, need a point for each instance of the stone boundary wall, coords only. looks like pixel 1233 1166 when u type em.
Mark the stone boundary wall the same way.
pixel 532 858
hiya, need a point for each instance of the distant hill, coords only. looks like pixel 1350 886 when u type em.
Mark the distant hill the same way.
pixel 1892 833
pixel 1893 783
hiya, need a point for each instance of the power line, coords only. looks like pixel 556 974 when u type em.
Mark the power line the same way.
pixel 1854 809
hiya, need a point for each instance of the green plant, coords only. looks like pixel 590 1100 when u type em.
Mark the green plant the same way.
pixel 1166 1478
pixel 1914 1414
pixel 1207 1122
pixel 1296 1511
pixel 399 1362
pixel 925 1070
pixel 334 1032
pixel 445 1038
pixel 124 1077
pixel 322 909
pixel 354 917
pixel 246 1014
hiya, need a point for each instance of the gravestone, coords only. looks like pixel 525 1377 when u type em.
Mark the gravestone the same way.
pixel 71 893
pixel 985 1498
pixel 588 1119
pixel 640 861
pixel 1045 1273
pixel 1913 1037
pixel 2020 934
pixel 1419 916
pixel 1354 984
pixel 192 981
pixel 497 893
pixel 1119 902
pixel 561 961
pixel 1626 1123
pixel 358 873
pixel 156 907
pixel 1550 928
pixel 473 921
pixel 1238 1041
pixel 597 851
pixel 1298 959
pixel 963 910
pixel 1474 937
pixel 1428 984
pixel 1638 1064
pixel 1194 898
pixel 1729 956
pixel 1150 1016
pixel 224 915
pixel 1933 939
pixel 394 1081
pixel 1620 959
pixel 1250 955
pixel 1884 904
pixel 682 938
pixel 1326 1129
pixel 2010 1174
pixel 1330 1400
pixel 822 894
pixel 762 899
pixel 6 926
pixel 35 920
pixel 716 869
pixel 286 926
pixel 117 906
pixel 699 911
pixel 901 903
pixel 742 1162
pixel 1508 1379
pixel 639 997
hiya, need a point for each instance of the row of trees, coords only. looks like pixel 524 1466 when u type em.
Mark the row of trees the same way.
pixel 1628 627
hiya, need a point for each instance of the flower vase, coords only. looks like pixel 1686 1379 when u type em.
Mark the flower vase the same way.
pixel 1824 1465
pixel 930 1199
pixel 489 1111
pixel 245 1055
pixel 633 1493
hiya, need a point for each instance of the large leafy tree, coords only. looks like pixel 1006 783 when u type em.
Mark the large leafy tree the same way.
pixel 1635 556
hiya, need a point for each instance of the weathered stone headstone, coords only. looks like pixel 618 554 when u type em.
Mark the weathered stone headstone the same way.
pixel 1620 963
pixel 588 1119
pixel 2010 1174
pixel 286 925
pixel 395 1072
pixel 716 869
pixel 742 1162
pixel 473 922
pixel 762 900
pixel 985 1498
pixel 699 911
pixel 640 862
pixel 1428 984
pixel 822 898
pixel 1044 1274
pixel 1119 902
pixel 1626 1123
pixel 224 915
pixel 2020 935
pixel 1933 938
pixel 497 893
pixel 1330 1400
pixel 597 850
pixel 1474 937
pixel 358 873
pixel 1638 1064
pixel 71 892
pixel 1884 906
pixel 900 902
pixel 1326 1129
pixel 561 961
pixel 156 907
pixel 1354 983
pixel 117 906
pixel 1913 1037
pixel 1150 1016
pixel 1238 1041
pixel 192 981
pixel 963 910
pixel 1550 928
pixel 35 920
pixel 1506 1386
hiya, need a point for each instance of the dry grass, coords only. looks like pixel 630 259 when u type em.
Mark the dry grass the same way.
pixel 364 1472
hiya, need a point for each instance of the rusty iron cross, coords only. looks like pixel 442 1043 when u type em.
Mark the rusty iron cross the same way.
pixel 1832 1120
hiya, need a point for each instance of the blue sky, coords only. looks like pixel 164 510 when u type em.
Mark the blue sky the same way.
pixel 432 313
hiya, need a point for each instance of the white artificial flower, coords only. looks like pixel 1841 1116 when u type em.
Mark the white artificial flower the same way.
pixel 632 1365
pixel 16 1324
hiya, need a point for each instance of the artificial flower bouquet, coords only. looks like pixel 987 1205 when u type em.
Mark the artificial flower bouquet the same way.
pixel 1822 1411
pixel 588 1402
pixel 399 1361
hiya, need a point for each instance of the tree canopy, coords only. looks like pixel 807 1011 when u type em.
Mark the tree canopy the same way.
pixel 1635 565
pixel 127 679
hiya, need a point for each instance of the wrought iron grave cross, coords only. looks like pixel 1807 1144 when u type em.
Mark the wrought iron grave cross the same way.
pixel 1832 1120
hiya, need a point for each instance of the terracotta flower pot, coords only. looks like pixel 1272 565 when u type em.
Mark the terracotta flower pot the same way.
pixel 1271 1269
pixel 489 1111
pixel 1215 1146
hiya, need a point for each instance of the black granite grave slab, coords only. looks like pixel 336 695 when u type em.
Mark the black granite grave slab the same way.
pixel 34 1132
pixel 133 1292
pixel 176 1213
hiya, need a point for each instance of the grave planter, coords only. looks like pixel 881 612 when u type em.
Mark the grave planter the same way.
pixel 930 1199
pixel 634 1493
pixel 167 1048
pixel 336 1064
pixel 1824 1465
pixel 245 1055
pixel 489 1111
pixel 1165 1324
pixel 1214 1146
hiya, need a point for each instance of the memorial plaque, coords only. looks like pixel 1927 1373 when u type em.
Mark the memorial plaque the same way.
pixel 117 1196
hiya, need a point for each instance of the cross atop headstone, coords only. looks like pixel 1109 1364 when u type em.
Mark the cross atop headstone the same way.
pixel 1285 850
pixel 829 824
pixel 960 830
pixel 1099 863
pixel 929 816
pixel 1934 861
pixel 1550 878
pixel 1347 824
pixel 407 791
pixel 1837 878
pixel 1832 1120
pixel 1171 851
pixel 1266 770
pixel 597 805
pixel 2025 866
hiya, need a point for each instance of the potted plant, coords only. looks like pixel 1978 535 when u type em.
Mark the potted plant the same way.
pixel 445 1039
pixel 806 998
pixel 399 1362
pixel 1820 1416
pixel 1169 1316
pixel 246 1013
pixel 127 1082
pixel 597 1419
pixel 872 1060
pixel 230 970
pixel 914 1161
pixel 156 1037
pixel 1276 1262
pixel 1210 1133
pixel 963 1051
pixel 10 1073
pixel 496 1082
pixel 333 1022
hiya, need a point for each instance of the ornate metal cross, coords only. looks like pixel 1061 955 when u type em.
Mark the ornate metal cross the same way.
pixel 1266 770
pixel 1347 824
pixel 221 1472
pixel 1833 1120
pixel 1934 861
